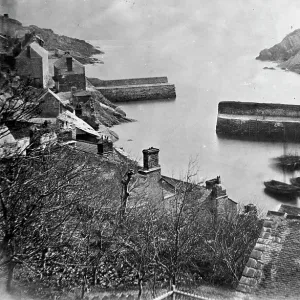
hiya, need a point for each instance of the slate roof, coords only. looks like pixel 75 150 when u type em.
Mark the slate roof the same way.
pixel 292 210
pixel 79 123
pixel 61 63
pixel 273 269
pixel 83 93
pixel 48 91
pixel 65 97
pixel 42 52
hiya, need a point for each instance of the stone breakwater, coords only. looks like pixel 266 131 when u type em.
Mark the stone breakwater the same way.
pixel 132 81
pixel 259 121
pixel 135 89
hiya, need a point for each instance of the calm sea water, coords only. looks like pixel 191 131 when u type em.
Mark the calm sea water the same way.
pixel 210 59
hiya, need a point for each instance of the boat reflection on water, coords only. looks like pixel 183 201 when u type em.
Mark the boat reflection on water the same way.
pixel 291 199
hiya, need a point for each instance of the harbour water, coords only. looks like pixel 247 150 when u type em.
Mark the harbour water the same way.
pixel 209 59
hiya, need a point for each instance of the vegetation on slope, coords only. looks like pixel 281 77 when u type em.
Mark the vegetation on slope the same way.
pixel 80 49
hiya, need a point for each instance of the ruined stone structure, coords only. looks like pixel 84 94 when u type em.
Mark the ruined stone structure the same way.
pixel 32 63
pixel 8 26
pixel 273 269
pixel 68 73
pixel 259 121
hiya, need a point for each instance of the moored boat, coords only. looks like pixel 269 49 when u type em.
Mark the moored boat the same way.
pixel 283 188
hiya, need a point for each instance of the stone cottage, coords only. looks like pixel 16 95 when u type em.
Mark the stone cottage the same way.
pixel 150 185
pixel 68 73
pixel 51 105
pixel 33 63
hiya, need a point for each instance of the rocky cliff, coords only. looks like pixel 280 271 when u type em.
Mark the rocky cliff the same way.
pixel 286 53
pixel 79 49
pixel 286 49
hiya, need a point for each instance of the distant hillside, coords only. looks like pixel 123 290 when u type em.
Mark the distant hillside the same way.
pixel 80 49
pixel 287 48
pixel 292 64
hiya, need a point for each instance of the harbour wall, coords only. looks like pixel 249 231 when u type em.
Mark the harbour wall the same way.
pixel 254 121
pixel 132 81
pixel 127 93
pixel 259 109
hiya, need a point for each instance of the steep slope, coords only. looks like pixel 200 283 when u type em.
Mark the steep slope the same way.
pixel 292 64
pixel 80 49
pixel 284 50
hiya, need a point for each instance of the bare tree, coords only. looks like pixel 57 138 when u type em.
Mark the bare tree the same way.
pixel 18 102
pixel 39 194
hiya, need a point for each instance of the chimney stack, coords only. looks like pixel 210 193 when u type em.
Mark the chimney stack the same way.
pixel 6 16
pixel 250 208
pixel 28 52
pixel 69 63
pixel 105 146
pixel 151 158
pixel 151 165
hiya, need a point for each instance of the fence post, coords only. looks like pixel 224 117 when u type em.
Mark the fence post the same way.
pixel 174 294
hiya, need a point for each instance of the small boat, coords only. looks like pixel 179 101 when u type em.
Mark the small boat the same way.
pixel 295 181
pixel 279 187
pixel 289 162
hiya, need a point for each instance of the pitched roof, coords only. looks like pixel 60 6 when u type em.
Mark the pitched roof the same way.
pixel 79 123
pixel 291 210
pixel 62 62
pixel 83 93
pixel 48 91
pixel 42 52
pixel 38 49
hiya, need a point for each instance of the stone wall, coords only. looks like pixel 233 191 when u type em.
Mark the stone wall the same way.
pixel 259 109
pixel 259 129
pixel 142 92
pixel 273 267
pixel 32 68
pixel 66 82
pixel 132 81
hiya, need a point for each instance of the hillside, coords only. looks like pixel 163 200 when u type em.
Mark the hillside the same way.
pixel 79 49
pixel 292 64
pixel 284 50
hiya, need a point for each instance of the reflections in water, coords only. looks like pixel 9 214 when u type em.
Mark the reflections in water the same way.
pixel 288 199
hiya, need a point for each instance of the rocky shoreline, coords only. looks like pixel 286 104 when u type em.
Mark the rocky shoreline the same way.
pixel 286 53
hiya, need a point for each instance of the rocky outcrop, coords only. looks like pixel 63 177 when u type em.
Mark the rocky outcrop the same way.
pixel 292 64
pixel 287 48
pixel 99 111
pixel 79 49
